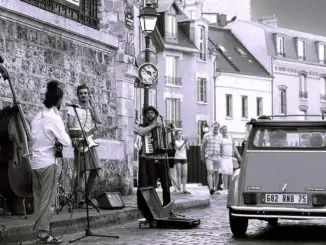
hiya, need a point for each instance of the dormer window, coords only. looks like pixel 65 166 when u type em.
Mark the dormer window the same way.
pixel 321 53
pixel 241 52
pixel 221 47
pixel 202 43
pixel 171 26
pixel 301 49
pixel 280 45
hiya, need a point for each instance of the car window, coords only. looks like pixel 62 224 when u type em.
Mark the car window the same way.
pixel 289 138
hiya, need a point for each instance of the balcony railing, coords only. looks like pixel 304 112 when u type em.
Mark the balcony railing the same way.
pixel 172 35
pixel 303 94
pixel 177 124
pixel 202 56
pixel 84 11
pixel 173 81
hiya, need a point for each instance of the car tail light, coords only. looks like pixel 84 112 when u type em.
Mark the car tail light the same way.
pixel 250 198
pixel 318 200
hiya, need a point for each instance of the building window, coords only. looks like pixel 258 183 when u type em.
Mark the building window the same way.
pixel 171 26
pixel 323 89
pixel 321 53
pixel 301 49
pixel 202 43
pixel 244 106
pixel 192 14
pixel 83 11
pixel 303 94
pixel 283 101
pixel 172 112
pixel 171 77
pixel 280 45
pixel 259 106
pixel 229 105
pixel 202 90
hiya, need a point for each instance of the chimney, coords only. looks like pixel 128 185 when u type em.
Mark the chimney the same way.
pixel 270 20
pixel 221 20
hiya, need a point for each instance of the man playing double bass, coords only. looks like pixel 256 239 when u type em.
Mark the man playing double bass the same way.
pixel 152 166
pixel 47 129
pixel 84 160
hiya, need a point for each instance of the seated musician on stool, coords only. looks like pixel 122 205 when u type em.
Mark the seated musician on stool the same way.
pixel 84 160
pixel 47 129
pixel 152 166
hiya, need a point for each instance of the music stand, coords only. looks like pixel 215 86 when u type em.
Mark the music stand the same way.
pixel 88 231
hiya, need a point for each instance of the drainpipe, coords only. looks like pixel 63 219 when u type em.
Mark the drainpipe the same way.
pixel 272 74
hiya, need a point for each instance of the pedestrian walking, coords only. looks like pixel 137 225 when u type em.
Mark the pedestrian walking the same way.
pixel 210 154
pixel 228 150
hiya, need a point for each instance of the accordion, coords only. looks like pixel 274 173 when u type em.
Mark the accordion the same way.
pixel 155 142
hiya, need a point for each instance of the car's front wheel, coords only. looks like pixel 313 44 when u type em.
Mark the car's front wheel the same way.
pixel 238 225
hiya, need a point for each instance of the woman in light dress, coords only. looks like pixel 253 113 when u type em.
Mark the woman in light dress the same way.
pixel 180 158
pixel 228 150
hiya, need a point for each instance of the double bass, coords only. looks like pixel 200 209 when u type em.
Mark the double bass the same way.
pixel 15 154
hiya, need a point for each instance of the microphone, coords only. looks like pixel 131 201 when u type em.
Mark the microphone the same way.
pixel 72 105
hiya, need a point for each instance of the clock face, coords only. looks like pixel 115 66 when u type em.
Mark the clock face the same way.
pixel 148 73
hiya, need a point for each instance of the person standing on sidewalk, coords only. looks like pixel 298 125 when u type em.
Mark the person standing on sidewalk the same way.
pixel 228 150
pixel 210 154
pixel 47 132
pixel 181 147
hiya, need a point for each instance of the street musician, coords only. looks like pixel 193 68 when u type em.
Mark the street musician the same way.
pixel 85 159
pixel 153 162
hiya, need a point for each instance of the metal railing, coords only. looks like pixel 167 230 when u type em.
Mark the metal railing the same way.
pixel 86 12
pixel 202 56
pixel 172 35
pixel 323 97
pixel 177 124
pixel 303 94
pixel 177 81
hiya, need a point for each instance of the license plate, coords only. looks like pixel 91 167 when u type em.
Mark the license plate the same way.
pixel 286 198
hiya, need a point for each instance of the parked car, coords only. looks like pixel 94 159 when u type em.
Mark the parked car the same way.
pixel 282 175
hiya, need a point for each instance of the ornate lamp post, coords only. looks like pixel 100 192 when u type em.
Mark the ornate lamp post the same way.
pixel 148 18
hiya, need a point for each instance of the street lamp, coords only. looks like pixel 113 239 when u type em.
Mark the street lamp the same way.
pixel 148 18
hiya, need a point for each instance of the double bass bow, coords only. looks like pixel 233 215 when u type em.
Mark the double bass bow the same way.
pixel 18 145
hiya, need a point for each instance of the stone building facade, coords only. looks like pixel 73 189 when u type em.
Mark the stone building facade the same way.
pixel 40 43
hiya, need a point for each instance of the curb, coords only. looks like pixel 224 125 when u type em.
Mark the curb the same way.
pixel 24 232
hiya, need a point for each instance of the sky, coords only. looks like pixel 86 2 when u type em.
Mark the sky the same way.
pixel 303 15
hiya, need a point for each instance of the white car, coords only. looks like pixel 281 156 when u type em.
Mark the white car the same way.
pixel 282 176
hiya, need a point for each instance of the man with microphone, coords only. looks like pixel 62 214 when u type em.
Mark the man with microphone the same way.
pixel 85 159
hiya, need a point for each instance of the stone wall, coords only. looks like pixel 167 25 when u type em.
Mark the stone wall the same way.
pixel 36 52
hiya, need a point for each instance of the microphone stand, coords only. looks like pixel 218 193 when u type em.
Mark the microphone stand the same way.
pixel 88 231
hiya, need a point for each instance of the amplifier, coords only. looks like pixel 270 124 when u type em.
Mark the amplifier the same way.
pixel 110 200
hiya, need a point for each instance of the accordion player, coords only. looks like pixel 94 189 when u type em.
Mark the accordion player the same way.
pixel 158 141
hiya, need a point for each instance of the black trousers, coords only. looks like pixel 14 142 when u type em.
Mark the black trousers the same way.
pixel 149 171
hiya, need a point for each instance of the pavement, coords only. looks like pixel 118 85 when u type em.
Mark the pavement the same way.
pixel 214 229
pixel 17 229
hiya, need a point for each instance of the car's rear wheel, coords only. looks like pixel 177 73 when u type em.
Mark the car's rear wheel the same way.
pixel 238 225
pixel 272 222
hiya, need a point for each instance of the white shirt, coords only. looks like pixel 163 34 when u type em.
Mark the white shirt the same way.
pixel 182 153
pixel 47 127
pixel 85 117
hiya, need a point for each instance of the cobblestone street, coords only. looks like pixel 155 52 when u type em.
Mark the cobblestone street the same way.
pixel 214 229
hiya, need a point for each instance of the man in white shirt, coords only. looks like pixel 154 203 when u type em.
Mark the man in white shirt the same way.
pixel 47 131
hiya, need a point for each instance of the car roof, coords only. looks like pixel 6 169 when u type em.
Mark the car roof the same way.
pixel 288 123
